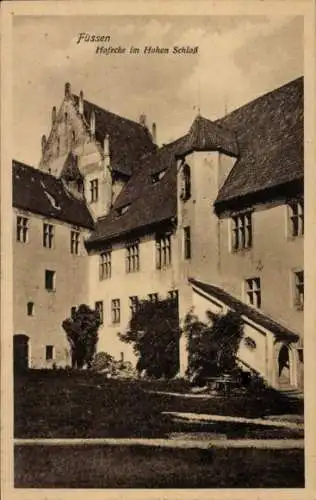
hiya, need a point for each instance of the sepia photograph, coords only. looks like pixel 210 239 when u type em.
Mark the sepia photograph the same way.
pixel 157 228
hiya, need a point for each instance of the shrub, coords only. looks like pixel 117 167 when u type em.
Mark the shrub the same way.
pixel 82 334
pixel 154 334
pixel 212 345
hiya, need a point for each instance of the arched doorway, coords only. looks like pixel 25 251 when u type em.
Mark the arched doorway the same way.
pixel 284 366
pixel 20 352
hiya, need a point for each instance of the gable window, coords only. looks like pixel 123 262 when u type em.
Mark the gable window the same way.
pixel 253 292
pixel 49 352
pixel 299 289
pixel 296 218
pixel 242 231
pixel 132 257
pixel 105 265
pixel 163 251
pixel 50 280
pixel 74 242
pixel 153 297
pixel 22 229
pixel 133 305
pixel 186 188
pixel 94 190
pixel 30 308
pixel 48 235
pixel 116 310
pixel 187 242
pixel 99 308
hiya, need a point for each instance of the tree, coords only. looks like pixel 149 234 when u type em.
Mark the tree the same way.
pixel 82 334
pixel 154 334
pixel 212 345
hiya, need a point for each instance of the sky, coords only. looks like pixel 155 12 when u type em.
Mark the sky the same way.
pixel 239 58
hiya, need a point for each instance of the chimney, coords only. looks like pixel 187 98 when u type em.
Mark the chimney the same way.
pixel 154 133
pixel 142 120
pixel 106 146
pixel 81 102
pixel 44 141
pixel 92 123
pixel 54 114
pixel 67 90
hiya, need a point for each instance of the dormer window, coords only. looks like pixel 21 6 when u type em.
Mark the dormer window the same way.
pixel 186 183
pixel 158 176
pixel 122 210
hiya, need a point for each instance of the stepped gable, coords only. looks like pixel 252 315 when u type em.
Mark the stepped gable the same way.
pixel 149 197
pixel 129 140
pixel 41 193
pixel 270 136
pixel 279 331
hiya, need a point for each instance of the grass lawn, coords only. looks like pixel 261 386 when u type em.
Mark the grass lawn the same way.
pixel 145 467
pixel 61 404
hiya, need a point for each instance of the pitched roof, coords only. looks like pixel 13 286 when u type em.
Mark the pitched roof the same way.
pixel 129 140
pixel 42 193
pixel 280 332
pixel 205 135
pixel 270 134
pixel 148 200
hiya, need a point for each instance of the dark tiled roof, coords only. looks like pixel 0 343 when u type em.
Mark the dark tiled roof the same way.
pixel 280 332
pixel 129 140
pixel 270 135
pixel 42 193
pixel 149 202
pixel 205 135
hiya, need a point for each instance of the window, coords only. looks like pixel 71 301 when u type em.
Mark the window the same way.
pixel 132 257
pixel 299 289
pixel 242 231
pixel 48 235
pixel 50 278
pixel 163 251
pixel 94 190
pixel 74 242
pixel 296 219
pixel 158 176
pixel 49 352
pixel 173 295
pixel 253 292
pixel 153 297
pixel 73 311
pixel 186 189
pixel 133 304
pixel 99 308
pixel 187 242
pixel 116 310
pixel 30 308
pixel 22 229
pixel 105 265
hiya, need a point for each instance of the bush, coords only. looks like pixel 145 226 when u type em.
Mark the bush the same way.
pixel 154 334
pixel 212 345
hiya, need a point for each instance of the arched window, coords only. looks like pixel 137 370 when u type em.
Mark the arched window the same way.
pixel 186 188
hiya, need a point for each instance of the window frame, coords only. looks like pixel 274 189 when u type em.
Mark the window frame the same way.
pixel 241 230
pixel 22 228
pixel 105 265
pixel 49 348
pixel 94 190
pixel 75 241
pixel 132 257
pixel 98 306
pixel 187 244
pixel 48 235
pixel 163 245
pixel 133 305
pixel 30 308
pixel 53 277
pixel 186 191
pixel 298 289
pixel 295 218
pixel 253 291
pixel 115 311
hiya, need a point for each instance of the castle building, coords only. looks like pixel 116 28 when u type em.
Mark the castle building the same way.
pixel 214 219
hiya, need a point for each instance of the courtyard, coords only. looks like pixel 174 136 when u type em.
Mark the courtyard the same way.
pixel 81 430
